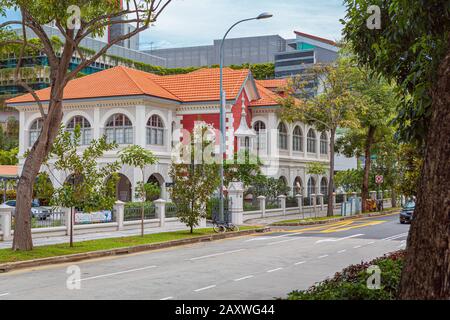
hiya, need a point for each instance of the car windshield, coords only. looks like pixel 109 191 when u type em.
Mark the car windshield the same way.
pixel 410 205
pixel 35 203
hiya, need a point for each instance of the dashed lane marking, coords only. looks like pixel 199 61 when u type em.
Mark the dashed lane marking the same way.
pixel 215 254
pixel 205 288
pixel 244 278
pixel 273 270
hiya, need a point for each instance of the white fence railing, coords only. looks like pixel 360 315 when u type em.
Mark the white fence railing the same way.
pixel 59 225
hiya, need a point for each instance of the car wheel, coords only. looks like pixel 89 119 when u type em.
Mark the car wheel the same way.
pixel 402 222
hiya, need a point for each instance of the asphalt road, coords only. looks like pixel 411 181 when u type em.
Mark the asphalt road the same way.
pixel 251 267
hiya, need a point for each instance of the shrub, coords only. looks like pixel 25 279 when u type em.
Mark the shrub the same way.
pixel 351 283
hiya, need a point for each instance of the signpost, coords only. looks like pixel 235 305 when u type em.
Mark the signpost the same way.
pixel 379 180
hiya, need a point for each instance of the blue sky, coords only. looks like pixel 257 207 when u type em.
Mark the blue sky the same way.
pixel 199 22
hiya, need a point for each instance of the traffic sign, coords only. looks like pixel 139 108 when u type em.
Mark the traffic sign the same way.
pixel 379 179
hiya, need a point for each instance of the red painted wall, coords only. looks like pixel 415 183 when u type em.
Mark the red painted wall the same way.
pixel 214 119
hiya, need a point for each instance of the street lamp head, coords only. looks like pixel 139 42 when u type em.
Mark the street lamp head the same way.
pixel 264 15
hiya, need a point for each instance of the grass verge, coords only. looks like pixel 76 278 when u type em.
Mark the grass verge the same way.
pixel 55 250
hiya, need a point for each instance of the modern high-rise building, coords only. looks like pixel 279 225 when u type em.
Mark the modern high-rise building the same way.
pixel 290 56
pixel 238 51
pixel 303 52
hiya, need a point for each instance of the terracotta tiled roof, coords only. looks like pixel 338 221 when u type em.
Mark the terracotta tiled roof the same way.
pixel 306 35
pixel 273 84
pixel 268 98
pixel 200 85
pixel 9 171
pixel 203 84
pixel 117 81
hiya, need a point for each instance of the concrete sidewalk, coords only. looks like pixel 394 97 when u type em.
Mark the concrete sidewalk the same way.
pixel 273 219
pixel 93 236
pixel 306 215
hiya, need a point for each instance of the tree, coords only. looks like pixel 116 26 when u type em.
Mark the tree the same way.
pixel 138 157
pixel 412 48
pixel 373 114
pixel 195 179
pixel 271 188
pixel 9 157
pixel 328 109
pixel 75 20
pixel 89 187
pixel 349 180
pixel 245 168
pixel 43 188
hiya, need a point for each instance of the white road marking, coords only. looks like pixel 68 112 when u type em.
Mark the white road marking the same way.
pixel 340 239
pixel 166 298
pixel 4 294
pixel 395 236
pixel 243 278
pixel 216 254
pixel 300 262
pixel 205 288
pixel 273 270
pixel 341 251
pixel 356 247
pixel 371 242
pixel 115 273
pixel 288 240
pixel 321 257
pixel 275 237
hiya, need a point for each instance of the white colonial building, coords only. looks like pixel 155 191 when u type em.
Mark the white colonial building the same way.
pixel 135 107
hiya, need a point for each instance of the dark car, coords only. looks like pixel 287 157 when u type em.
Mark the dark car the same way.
pixel 407 213
pixel 37 211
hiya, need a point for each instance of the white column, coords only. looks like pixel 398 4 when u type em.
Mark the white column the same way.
pixel 161 211
pixel 96 126
pixel 22 133
pixel 282 199
pixel 140 126
pixel 5 221
pixel 67 217
pixel 236 196
pixel 313 203
pixel 299 201
pixel 119 211
pixel 262 205
pixel 320 196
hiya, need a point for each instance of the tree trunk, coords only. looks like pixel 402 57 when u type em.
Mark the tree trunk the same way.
pixel 22 233
pixel 393 199
pixel 426 272
pixel 330 208
pixel 367 155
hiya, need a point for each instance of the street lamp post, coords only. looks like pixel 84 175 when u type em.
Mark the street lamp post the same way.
pixel 264 15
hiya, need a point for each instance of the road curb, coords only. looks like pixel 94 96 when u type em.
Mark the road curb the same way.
pixel 309 223
pixel 10 266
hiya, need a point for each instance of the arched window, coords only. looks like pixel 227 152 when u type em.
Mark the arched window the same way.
pixel 324 186
pixel 119 129
pixel 311 141
pixel 297 139
pixel 323 143
pixel 155 130
pixel 282 136
pixel 260 129
pixel 35 130
pixel 311 186
pixel 85 128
